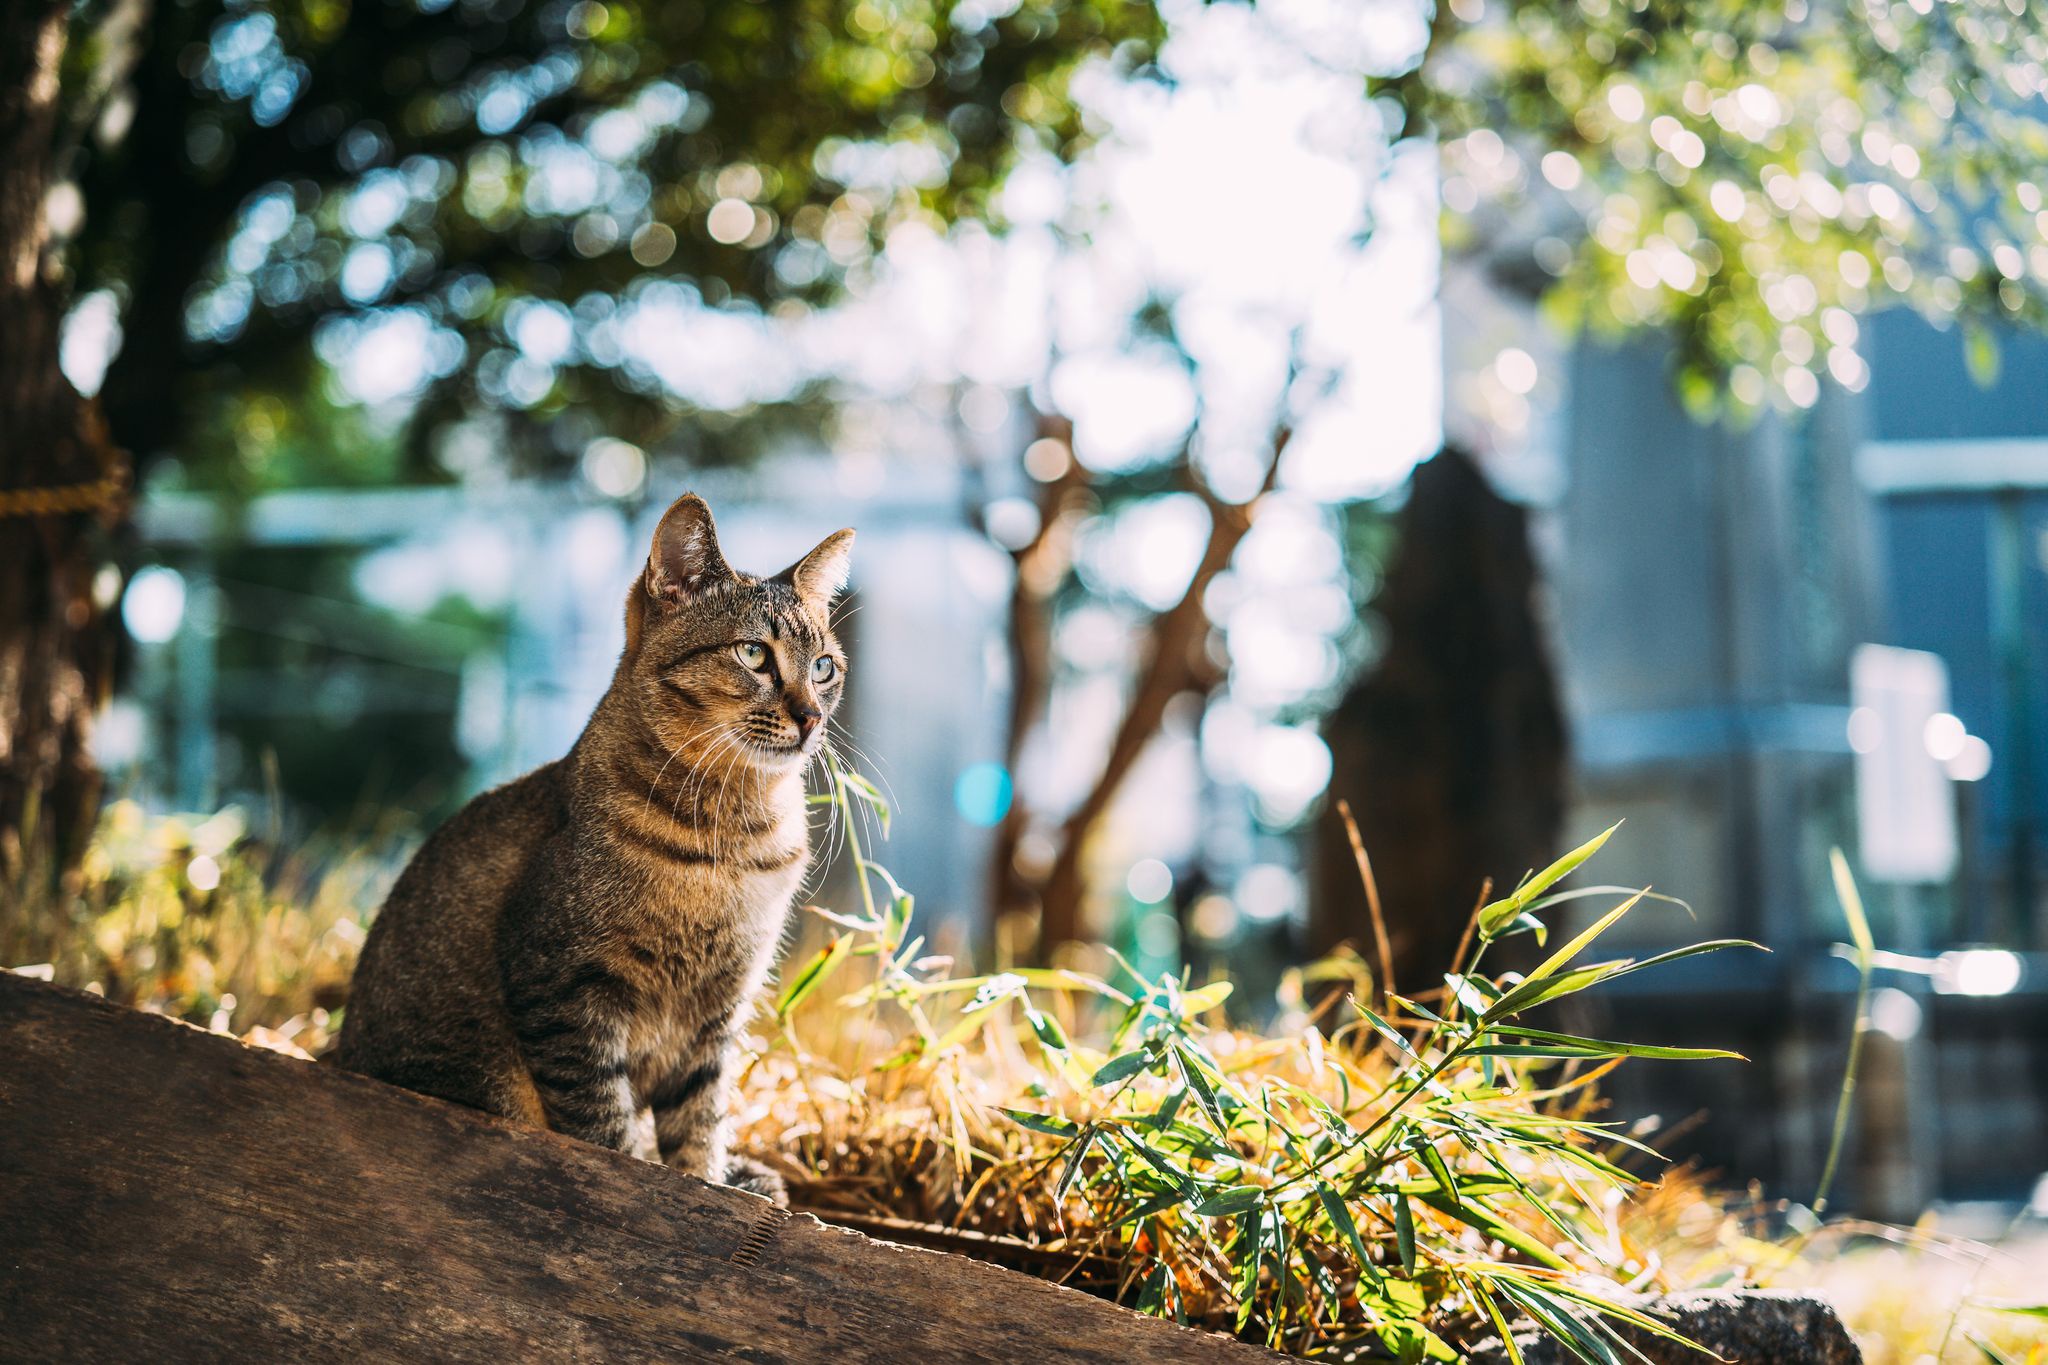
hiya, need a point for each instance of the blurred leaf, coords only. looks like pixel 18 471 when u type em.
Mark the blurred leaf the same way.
pixel 1073 1165
pixel 1243 1199
pixel 1043 1123
pixel 1980 355
pixel 826 961
pixel 1852 906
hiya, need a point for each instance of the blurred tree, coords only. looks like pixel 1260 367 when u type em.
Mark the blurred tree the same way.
pixel 1750 177
pixel 58 475
pixel 1451 748
pixel 256 182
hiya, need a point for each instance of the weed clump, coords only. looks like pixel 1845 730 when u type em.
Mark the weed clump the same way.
pixel 1383 1175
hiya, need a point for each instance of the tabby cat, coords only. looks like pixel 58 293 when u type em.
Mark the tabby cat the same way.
pixel 575 949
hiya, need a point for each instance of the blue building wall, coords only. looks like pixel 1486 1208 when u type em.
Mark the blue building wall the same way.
pixel 1942 556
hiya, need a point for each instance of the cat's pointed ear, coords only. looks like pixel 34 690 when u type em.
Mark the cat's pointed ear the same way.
pixel 685 559
pixel 821 575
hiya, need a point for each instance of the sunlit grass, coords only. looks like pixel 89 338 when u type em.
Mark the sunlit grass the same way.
pixel 189 915
pixel 1404 1178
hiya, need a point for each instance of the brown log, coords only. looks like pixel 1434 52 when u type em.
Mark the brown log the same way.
pixel 174 1195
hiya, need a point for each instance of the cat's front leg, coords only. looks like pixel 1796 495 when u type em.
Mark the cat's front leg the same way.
pixel 689 1113
pixel 690 1126
pixel 570 1020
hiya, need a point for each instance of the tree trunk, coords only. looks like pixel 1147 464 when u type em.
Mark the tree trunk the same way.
pixel 1173 665
pixel 1039 569
pixel 1452 749
pixel 58 478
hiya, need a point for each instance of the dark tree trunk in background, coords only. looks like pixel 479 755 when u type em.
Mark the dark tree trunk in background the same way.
pixel 58 477
pixel 1451 749
pixel 1038 568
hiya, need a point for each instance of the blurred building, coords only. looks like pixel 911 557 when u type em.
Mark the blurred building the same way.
pixel 359 684
pixel 1711 585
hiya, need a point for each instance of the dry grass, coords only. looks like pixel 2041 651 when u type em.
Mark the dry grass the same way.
pixel 192 916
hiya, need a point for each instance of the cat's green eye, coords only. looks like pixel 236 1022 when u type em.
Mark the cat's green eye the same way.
pixel 752 656
pixel 822 668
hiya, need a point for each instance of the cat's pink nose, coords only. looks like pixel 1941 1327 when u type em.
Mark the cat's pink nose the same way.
pixel 806 718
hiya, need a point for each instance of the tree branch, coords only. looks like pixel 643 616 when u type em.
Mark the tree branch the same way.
pixel 1171 667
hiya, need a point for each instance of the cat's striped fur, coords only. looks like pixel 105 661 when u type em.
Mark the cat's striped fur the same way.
pixel 576 948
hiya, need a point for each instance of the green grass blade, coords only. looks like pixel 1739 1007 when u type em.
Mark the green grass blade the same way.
pixel 1585 937
pixel 1404 1234
pixel 826 961
pixel 1866 947
pixel 1503 912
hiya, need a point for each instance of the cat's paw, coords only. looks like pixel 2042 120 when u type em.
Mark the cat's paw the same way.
pixel 745 1173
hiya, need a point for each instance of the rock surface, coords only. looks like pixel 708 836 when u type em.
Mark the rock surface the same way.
pixel 1753 1326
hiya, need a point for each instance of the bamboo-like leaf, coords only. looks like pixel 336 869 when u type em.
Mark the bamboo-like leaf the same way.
pixel 2020 1307
pixel 1121 1068
pixel 1249 1249
pixel 1852 904
pixel 868 793
pixel 1169 1108
pixel 1046 1027
pixel 1433 1161
pixel 1347 1227
pixel 1205 1093
pixel 1581 941
pixel 1075 1153
pixel 1581 892
pixel 1529 994
pixel 1866 951
pixel 1404 1234
pixel 1621 1312
pixel 1560 1320
pixel 1475 1213
pixel 1988 1351
pixel 1157 1204
pixel 1241 1199
pixel 1418 1010
pixel 856 922
pixel 1532 993
pixel 1385 1030
pixel 1497 915
pixel 1500 1325
pixel 1199 1002
pixel 1174 1175
pixel 823 963
pixel 1043 1123
pixel 1600 1047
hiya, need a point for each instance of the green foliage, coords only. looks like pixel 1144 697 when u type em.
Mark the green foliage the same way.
pixel 986 1112
pixel 1751 176
pixel 268 176
pixel 1411 1179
